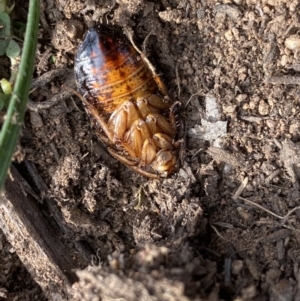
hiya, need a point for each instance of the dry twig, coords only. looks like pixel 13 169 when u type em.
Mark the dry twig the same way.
pixel 240 189
pixel 283 218
pixel 284 80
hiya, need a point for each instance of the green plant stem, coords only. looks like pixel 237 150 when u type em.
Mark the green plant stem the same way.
pixel 17 104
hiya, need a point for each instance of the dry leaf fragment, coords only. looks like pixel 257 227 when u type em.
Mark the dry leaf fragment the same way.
pixel 221 155
pixel 289 155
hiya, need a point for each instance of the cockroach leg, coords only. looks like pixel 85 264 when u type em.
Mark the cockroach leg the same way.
pixel 132 165
pixel 102 123
pixel 175 122
pixel 157 79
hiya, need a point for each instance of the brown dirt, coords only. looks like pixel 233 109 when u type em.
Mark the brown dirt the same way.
pixel 189 237
pixel 16 283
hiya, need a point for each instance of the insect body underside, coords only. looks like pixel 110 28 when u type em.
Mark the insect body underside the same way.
pixel 133 116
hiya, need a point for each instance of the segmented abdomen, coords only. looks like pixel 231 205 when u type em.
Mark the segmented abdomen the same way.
pixel 110 71
pixel 118 85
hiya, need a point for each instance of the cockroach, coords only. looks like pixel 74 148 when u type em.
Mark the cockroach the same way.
pixel 127 101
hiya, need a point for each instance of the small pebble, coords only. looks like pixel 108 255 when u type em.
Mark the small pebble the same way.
pixel 228 35
pixel 244 213
pixel 237 266
pixel 263 108
pixel 241 97
pixel 36 120
pixel 293 42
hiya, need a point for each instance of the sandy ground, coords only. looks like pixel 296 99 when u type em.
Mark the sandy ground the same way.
pixel 225 225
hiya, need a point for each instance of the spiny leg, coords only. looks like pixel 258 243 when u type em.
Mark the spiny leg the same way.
pixel 156 77
pixel 132 165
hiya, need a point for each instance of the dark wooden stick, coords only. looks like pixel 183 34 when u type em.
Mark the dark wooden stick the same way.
pixel 35 242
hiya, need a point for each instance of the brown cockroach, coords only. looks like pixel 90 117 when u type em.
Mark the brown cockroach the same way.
pixel 127 102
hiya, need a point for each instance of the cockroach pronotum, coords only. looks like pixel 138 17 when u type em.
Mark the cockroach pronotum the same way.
pixel 128 103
